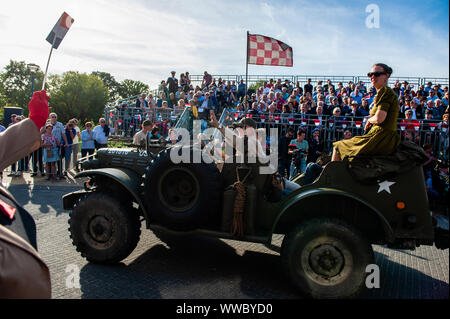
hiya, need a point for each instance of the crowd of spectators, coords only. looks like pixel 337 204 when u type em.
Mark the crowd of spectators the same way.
pixel 424 107
pixel 60 147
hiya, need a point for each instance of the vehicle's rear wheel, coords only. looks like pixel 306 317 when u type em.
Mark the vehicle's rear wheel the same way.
pixel 327 259
pixel 103 229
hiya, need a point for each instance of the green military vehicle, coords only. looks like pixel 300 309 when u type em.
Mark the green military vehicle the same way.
pixel 329 225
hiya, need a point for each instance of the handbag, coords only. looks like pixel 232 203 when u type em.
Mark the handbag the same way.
pixel 49 153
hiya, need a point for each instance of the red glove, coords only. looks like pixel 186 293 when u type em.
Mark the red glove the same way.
pixel 38 107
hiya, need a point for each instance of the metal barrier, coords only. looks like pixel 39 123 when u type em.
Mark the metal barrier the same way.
pixel 332 128
pixel 302 79
pixel 127 121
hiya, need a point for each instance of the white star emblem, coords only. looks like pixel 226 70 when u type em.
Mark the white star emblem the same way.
pixel 384 186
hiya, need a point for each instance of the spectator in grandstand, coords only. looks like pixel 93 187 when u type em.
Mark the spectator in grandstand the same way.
pixel 347 134
pixel 204 109
pixel 382 137
pixel 431 107
pixel 318 91
pixel 207 79
pixel 87 140
pixel 254 110
pixel 329 94
pixel 184 83
pixel 364 107
pixel 172 102
pixel 308 87
pixel 241 90
pixel 178 93
pixel 396 88
pixel 165 105
pixel 437 91
pixel 293 102
pixel 356 95
pixel 284 93
pixel 417 113
pixel 362 87
pixel 355 111
pixel 432 96
pixel 164 90
pixel 183 97
pixel 318 119
pixel 443 126
pixel 328 86
pixel 172 82
pixel 427 134
pixel 445 99
pixel 428 88
pixel 151 102
pixel 316 146
pixel 141 102
pixel 181 104
pixel 440 107
pixel 303 111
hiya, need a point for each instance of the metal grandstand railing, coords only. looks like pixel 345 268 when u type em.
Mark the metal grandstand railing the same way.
pixel 196 79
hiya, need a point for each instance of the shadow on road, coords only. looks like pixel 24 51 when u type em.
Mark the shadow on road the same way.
pixel 202 267
pixel 194 267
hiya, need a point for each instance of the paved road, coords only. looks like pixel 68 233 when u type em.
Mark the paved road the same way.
pixel 204 267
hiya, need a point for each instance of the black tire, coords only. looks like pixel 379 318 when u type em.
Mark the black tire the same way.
pixel 182 196
pixel 103 229
pixel 327 259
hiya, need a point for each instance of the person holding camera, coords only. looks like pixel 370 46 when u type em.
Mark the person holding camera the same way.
pixel 70 135
pixel 101 133
pixel 298 149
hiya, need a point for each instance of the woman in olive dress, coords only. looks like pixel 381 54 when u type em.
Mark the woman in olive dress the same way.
pixel 382 137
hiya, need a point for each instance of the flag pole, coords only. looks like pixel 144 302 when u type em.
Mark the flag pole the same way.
pixel 48 62
pixel 246 71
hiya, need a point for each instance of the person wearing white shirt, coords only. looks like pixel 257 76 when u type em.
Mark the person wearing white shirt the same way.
pixel 101 133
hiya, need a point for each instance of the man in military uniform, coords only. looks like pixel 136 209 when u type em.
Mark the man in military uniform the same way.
pixel 23 274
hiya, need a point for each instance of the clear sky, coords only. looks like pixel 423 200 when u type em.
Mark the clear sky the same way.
pixel 146 39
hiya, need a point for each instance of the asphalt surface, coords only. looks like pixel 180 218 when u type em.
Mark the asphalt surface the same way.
pixel 201 267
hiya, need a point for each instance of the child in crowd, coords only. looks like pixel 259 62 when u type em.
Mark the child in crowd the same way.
pixel 50 146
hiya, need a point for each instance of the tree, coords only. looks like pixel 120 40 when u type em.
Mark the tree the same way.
pixel 78 95
pixel 15 84
pixel 129 88
pixel 110 83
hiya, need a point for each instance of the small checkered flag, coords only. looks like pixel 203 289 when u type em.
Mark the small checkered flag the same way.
pixel 264 50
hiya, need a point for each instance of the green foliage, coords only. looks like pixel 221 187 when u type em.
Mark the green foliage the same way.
pixel 110 83
pixel 15 84
pixel 130 88
pixel 72 94
pixel 78 95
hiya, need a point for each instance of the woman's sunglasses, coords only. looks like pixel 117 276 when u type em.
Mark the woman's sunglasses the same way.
pixel 377 74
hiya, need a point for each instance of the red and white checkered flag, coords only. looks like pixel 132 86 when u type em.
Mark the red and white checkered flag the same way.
pixel 268 51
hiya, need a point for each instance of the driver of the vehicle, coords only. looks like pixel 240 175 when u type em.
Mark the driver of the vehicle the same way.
pixel 246 128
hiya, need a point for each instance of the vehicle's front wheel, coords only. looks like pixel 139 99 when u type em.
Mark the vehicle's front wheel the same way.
pixel 327 259
pixel 103 229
